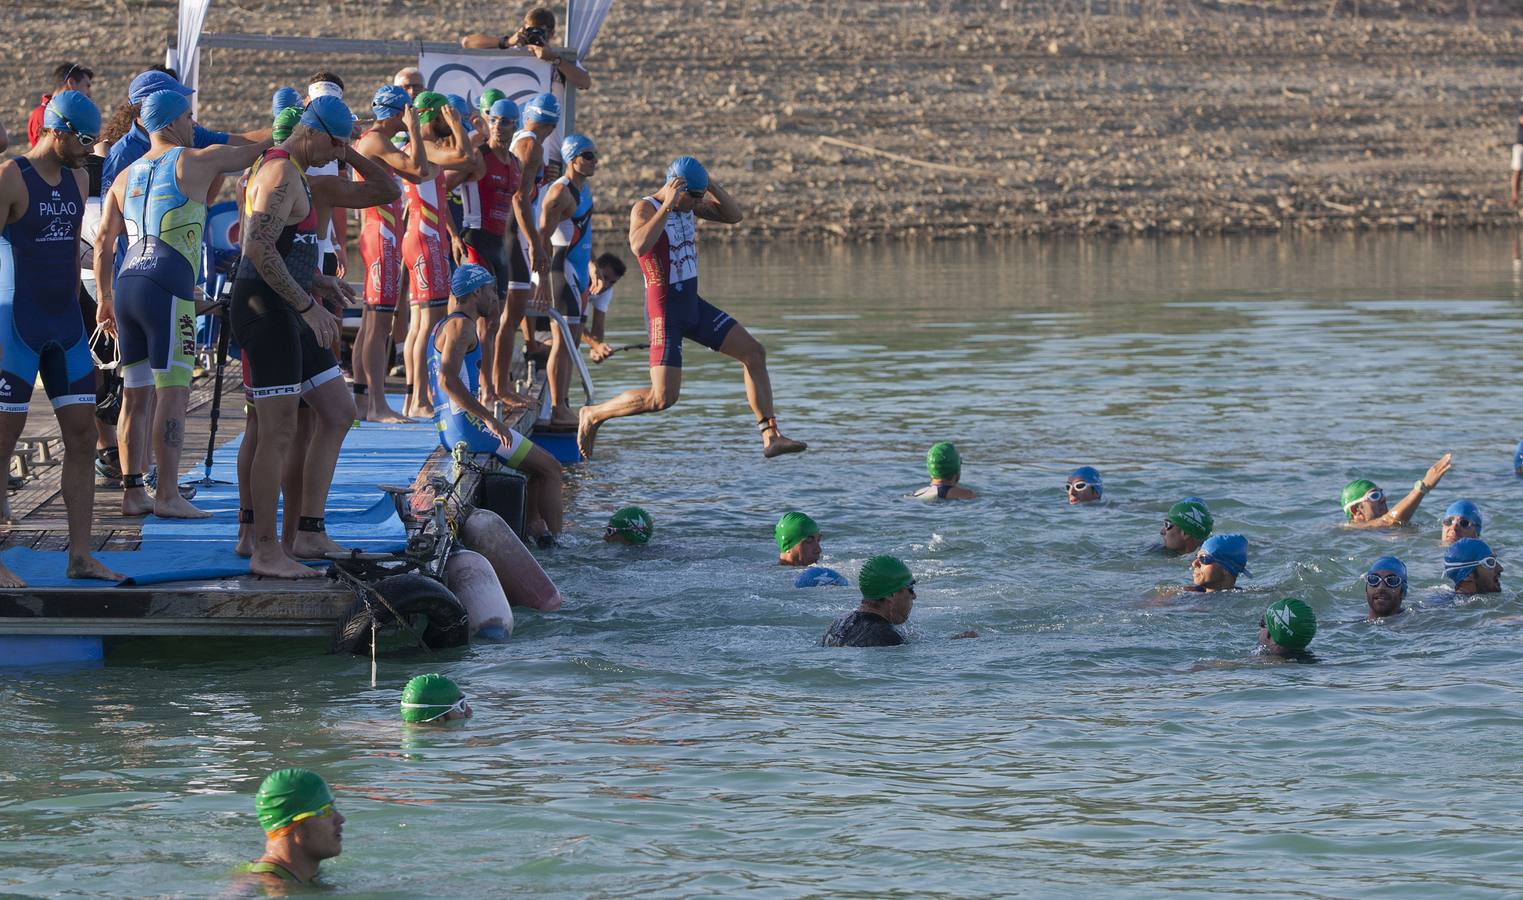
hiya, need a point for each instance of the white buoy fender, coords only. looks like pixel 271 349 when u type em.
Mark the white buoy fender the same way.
pixel 524 582
pixel 471 578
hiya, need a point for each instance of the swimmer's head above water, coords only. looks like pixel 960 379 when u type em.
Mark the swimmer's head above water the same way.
pixel 888 588
pixel 798 539
pixel 943 463
pixel 1221 560
pixel 1461 520
pixel 1363 501
pixel 1385 586
pixel 1287 627
pixel 1084 485
pixel 301 825
pixel 630 525
pixel 1186 525
pixel 430 699
pixel 1473 567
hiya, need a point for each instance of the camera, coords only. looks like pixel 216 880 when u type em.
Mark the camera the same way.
pixel 532 37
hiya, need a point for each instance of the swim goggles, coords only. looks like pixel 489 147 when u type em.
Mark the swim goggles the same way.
pixel 322 812
pixel 457 706
pixel 696 195
pixel 85 140
pixel 1394 581
pixel 1077 487
pixel 1489 562
pixel 1374 496
pixel 1457 521
pixel 1204 559
pixel 1168 525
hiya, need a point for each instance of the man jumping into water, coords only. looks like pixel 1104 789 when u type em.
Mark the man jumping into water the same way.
pixel 662 234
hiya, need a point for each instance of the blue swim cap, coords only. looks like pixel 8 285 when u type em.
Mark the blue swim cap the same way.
pixel 1091 475
pixel 388 102
pixel 153 80
pixel 1462 557
pixel 468 278
pixel 504 109
pixel 1389 564
pixel 464 108
pixel 819 576
pixel 1231 550
pixel 692 170
pixel 1517 459
pixel 161 109
pixel 1465 510
pixel 285 98
pixel 543 109
pixel 330 116
pixel 72 111
pixel 575 145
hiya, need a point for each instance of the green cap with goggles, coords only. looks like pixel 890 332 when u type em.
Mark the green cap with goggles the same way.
pixel 290 795
pixel 1354 493
pixel 633 524
pixel 429 697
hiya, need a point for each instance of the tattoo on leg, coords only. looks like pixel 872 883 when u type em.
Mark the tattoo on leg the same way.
pixel 173 433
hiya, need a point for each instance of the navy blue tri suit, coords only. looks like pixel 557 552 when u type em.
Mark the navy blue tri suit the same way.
pixel 40 326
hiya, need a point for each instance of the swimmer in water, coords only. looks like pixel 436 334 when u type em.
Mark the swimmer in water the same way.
pixel 433 700
pixel 630 525
pixel 1473 568
pixel 798 544
pixel 1286 629
pixel 888 595
pixel 1461 520
pixel 1364 504
pixel 1084 485
pixel 1221 560
pixel 301 829
pixel 1385 587
pixel 1185 526
pixel 1517 459
pixel 945 467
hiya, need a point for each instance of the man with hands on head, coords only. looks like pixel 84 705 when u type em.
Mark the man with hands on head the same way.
pixel 1364 503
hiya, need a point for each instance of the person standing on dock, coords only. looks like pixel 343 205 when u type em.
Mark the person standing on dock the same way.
pixel 42 210
pixel 663 234
pixel 491 242
pixel 566 224
pixel 528 256
pixel 149 301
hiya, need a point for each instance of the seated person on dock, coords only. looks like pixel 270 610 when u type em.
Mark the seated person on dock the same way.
pixel 888 595
pixel 1473 568
pixel 945 467
pixel 630 525
pixel 454 360
pixel 1185 526
pixel 1221 560
pixel 1385 587
pixel 1286 629
pixel 798 544
pixel 1461 520
pixel 301 828
pixel 1084 485
pixel 1364 504
pixel 433 700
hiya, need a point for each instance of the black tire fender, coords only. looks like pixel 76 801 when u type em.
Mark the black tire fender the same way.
pixel 410 595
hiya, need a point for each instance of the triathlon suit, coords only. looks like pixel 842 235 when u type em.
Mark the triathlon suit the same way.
pixel 155 287
pixel 519 261
pixel 423 243
pixel 573 253
pixel 268 868
pixel 381 251
pixel 484 239
pixel 862 629
pixel 266 326
pixel 673 309
pixel 40 328
pixel 456 424
pixel 942 490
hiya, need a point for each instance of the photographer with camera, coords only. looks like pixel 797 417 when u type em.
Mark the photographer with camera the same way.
pixel 535 34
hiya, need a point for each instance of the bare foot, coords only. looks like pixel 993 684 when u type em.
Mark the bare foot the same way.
pixel 177 507
pixel 420 411
pixel 387 416
pixel 245 547
pixel 136 502
pixel 89 567
pixel 314 545
pixel 586 431
pixel 563 417
pixel 277 564
pixel 9 579
pixel 779 445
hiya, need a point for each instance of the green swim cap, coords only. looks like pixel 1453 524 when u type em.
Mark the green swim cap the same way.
pixel 290 795
pixel 883 575
pixel 793 529
pixel 427 697
pixel 1192 517
pixel 1355 492
pixel 285 122
pixel 942 461
pixel 634 523
pixel 487 98
pixel 428 104
pixel 1291 623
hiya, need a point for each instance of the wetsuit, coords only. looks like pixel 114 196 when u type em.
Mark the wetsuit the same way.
pixel 573 253
pixel 423 248
pixel 862 629
pixel 673 309
pixel 493 212
pixel 381 251
pixel 281 355
pixel 155 287
pixel 456 424
pixel 40 326
pixel 518 262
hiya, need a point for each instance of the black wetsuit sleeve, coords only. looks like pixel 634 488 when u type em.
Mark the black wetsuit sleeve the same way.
pixel 860 629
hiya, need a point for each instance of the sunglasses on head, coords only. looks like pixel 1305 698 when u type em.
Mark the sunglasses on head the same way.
pixel 1075 487
pixel 1458 522
pixel 1391 581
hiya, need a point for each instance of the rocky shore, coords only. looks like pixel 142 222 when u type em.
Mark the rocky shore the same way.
pixel 857 119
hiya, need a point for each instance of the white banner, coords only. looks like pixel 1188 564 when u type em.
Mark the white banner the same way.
pixel 470 74
pixel 188 42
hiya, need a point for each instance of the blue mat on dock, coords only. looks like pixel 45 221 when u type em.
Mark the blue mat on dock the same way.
pixel 359 515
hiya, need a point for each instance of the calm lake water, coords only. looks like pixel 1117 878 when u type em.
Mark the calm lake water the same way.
pixel 676 729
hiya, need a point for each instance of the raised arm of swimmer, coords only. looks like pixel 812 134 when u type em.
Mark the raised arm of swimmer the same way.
pixel 718 206
pixel 377 189
pixel 1403 511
